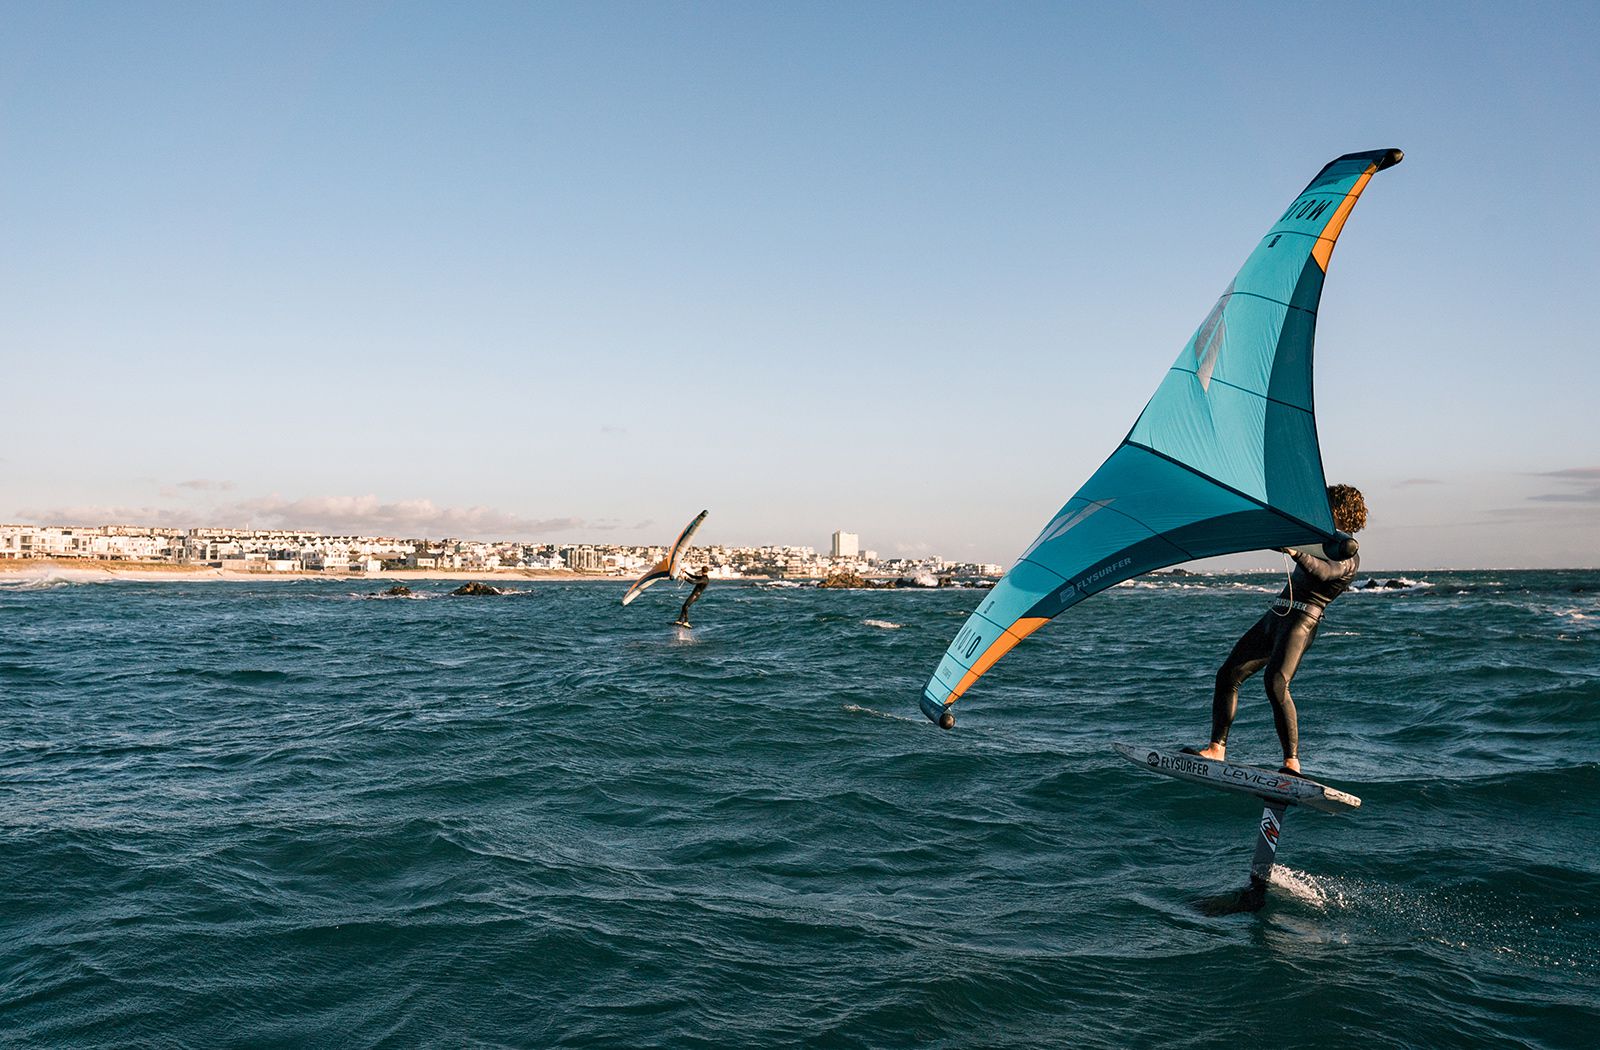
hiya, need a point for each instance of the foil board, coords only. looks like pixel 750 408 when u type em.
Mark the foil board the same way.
pixel 1268 784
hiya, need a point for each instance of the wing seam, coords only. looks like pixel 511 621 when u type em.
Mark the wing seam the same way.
pixel 1275 302
pixel 1224 485
pixel 1243 390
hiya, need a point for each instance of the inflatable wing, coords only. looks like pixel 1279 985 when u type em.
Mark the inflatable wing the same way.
pixel 1223 459
pixel 667 567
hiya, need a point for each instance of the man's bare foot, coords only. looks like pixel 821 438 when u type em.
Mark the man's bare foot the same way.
pixel 1292 765
pixel 1215 752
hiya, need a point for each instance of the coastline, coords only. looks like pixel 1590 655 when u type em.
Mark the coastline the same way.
pixel 87 570
pixel 84 569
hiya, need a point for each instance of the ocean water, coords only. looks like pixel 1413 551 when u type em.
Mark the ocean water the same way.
pixel 290 814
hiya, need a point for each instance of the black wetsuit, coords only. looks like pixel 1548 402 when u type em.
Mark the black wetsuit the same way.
pixel 699 582
pixel 1277 642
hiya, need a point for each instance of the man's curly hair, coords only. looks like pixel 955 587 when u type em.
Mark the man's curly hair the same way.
pixel 1349 508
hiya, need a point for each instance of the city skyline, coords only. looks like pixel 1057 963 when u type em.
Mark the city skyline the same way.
pixel 578 272
pixel 129 527
pixel 297 551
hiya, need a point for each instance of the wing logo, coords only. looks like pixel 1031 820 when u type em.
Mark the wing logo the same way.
pixel 1209 339
pixel 1082 584
pixel 1307 210
pixel 967 642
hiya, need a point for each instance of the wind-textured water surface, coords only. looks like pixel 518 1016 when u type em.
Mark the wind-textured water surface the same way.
pixel 291 814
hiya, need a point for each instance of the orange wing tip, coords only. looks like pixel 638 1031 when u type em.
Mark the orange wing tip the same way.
pixel 999 647
pixel 1322 251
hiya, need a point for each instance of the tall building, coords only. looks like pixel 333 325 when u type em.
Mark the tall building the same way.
pixel 846 545
pixel 583 559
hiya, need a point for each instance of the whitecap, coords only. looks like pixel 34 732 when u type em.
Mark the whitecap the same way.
pixel 857 709
pixel 48 579
pixel 1389 585
pixel 1305 888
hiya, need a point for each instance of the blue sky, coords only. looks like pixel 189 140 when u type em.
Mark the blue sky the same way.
pixel 576 271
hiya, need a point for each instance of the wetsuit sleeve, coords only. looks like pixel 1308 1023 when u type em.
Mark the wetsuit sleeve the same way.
pixel 1321 570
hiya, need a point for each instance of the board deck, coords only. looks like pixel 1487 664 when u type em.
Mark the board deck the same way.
pixel 1266 784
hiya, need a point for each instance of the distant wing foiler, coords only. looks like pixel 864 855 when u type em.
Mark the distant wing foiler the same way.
pixel 1223 459
pixel 667 567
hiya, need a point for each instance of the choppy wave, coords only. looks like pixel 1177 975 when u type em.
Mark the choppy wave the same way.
pixel 1200 583
pixel 281 810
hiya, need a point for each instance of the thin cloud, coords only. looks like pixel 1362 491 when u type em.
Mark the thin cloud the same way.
pixel 1588 495
pixel 612 428
pixel 368 515
pixel 1586 482
pixel 1547 513
pixel 335 515
pixel 109 514
pixel 1412 482
pixel 183 488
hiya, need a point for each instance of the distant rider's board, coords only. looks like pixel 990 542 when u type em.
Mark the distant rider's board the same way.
pixel 1278 790
pixel 1266 784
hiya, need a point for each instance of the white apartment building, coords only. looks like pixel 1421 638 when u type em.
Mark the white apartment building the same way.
pixel 16 541
pixel 105 542
pixel 846 545
pixel 326 557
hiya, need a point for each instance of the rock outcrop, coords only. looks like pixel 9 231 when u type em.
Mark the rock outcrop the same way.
pixel 844 579
pixel 475 590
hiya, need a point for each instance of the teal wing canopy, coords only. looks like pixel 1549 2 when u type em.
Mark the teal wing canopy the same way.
pixel 1223 459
